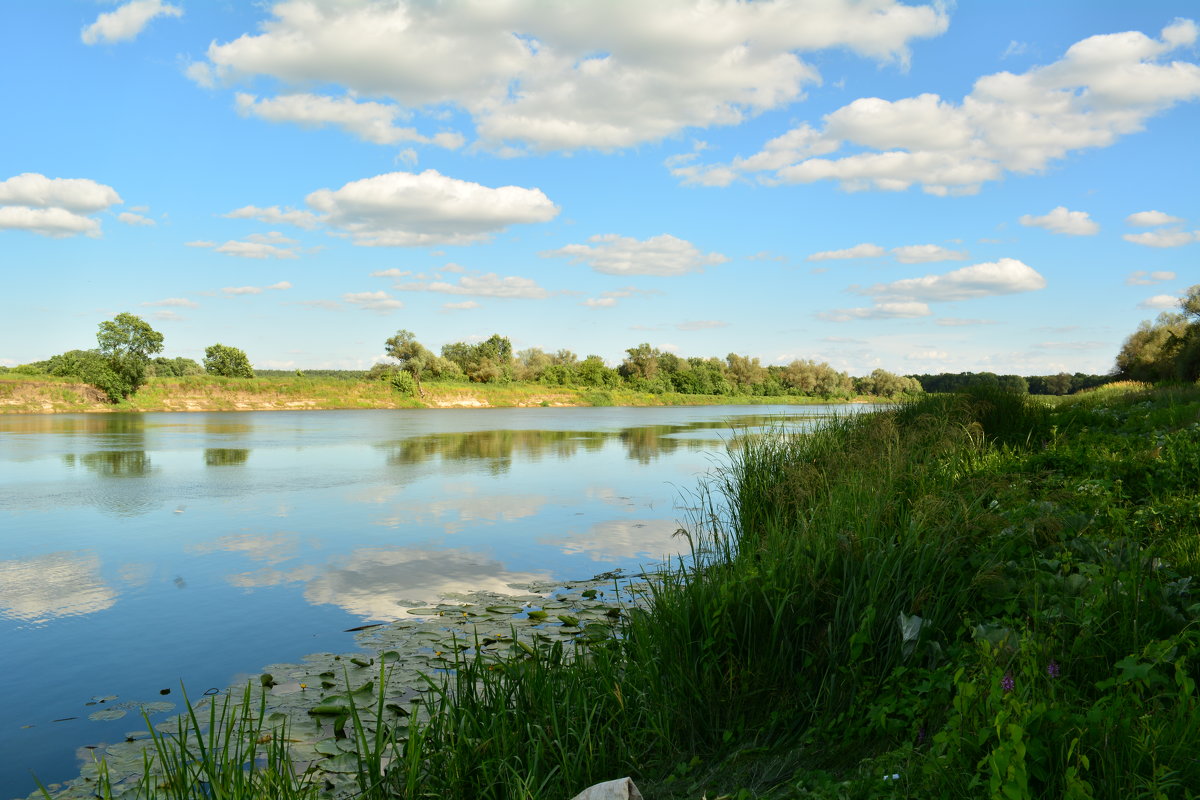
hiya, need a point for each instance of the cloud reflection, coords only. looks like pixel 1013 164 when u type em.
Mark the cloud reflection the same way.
pixel 623 539
pixel 63 584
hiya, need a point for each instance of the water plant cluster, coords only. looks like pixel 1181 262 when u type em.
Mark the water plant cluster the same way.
pixel 969 595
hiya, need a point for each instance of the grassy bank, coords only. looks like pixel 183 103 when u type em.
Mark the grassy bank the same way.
pixel 21 394
pixel 966 596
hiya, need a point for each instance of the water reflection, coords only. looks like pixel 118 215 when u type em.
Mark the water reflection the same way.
pixel 36 590
pixel 225 456
pixel 623 539
pixel 379 583
pixel 113 463
pixel 271 548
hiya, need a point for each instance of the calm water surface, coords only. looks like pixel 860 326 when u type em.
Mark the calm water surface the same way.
pixel 139 551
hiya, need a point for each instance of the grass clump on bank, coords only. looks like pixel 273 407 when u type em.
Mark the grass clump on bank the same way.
pixel 974 595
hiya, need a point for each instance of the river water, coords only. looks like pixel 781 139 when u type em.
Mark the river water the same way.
pixel 139 551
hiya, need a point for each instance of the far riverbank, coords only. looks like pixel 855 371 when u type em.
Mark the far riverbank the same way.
pixel 21 394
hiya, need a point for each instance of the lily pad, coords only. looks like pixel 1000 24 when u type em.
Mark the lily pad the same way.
pixel 345 764
pixel 107 714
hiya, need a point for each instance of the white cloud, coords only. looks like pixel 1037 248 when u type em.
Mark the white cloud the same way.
pixel 1006 276
pixel 1143 278
pixel 701 325
pixel 404 209
pixel 57 223
pixel 622 255
pixel 1060 220
pixel 249 249
pixel 176 302
pixel 926 253
pixel 864 250
pixel 391 273
pixel 370 121
pixel 489 285
pixel 129 218
pixel 1160 302
pixel 379 302
pixel 239 290
pixel 280 286
pixel 600 302
pixel 927 355
pixel 1103 88
pixel 74 194
pixel 200 243
pixel 465 305
pixel 883 310
pixel 273 214
pixel 127 21
pixel 54 207
pixel 565 76
pixel 166 316
pixel 1148 219
pixel 1171 238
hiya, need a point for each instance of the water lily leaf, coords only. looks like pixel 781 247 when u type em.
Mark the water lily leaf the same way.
pixel 504 609
pixel 107 714
pixel 329 709
pixel 423 612
pixel 345 763
pixel 328 747
pixel 537 615
pixel 569 621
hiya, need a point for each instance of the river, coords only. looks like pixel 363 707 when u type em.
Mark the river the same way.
pixel 139 551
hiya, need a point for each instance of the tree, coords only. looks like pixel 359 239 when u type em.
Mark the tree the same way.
pixel 229 362
pixel 412 355
pixel 127 342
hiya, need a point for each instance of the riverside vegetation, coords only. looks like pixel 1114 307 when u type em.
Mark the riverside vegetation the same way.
pixel 979 594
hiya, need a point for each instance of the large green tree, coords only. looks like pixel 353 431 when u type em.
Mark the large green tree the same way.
pixel 229 362
pixel 127 342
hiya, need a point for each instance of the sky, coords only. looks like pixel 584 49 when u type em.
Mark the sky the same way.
pixel 920 187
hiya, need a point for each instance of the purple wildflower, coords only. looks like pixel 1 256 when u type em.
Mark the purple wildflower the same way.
pixel 1008 683
pixel 921 735
pixel 1052 669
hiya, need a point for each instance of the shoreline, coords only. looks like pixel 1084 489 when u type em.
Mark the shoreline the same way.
pixel 44 396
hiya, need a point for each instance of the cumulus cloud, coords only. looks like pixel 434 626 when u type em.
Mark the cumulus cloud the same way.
pixel 488 285
pixel 1165 238
pixel 864 250
pixel 883 310
pixel 55 207
pixel 575 75
pixel 280 286
pixel 404 209
pixel 623 255
pixel 369 121
pixel 129 218
pixel 1160 302
pixel 1148 219
pixel 1142 277
pixel 465 305
pixel 176 302
pixel 127 21
pixel 379 302
pixel 1103 88
pixel 926 253
pixel 1006 276
pixel 248 249
pixel 600 302
pixel 273 215
pixel 240 290
pixel 1060 220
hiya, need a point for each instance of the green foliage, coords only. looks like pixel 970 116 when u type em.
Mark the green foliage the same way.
pixel 489 361
pixel 226 361
pixel 127 342
pixel 174 367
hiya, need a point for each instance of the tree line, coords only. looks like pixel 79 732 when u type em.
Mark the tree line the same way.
pixel 126 357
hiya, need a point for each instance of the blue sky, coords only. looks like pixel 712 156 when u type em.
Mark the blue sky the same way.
pixel 923 187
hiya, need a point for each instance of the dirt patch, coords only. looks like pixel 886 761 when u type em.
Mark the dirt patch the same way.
pixel 459 402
